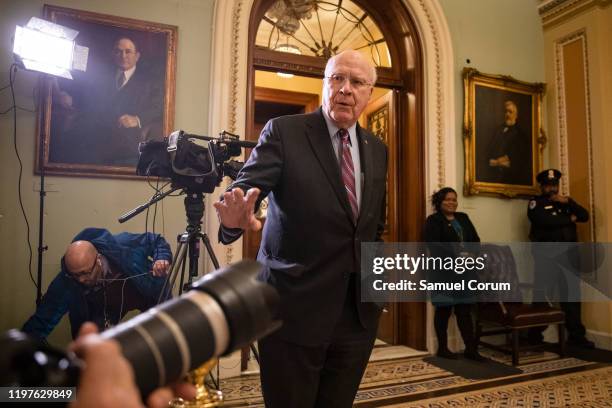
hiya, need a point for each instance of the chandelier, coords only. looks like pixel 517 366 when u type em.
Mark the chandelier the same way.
pixel 292 49
pixel 321 29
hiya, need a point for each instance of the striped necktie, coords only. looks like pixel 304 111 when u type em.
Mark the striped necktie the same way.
pixel 348 172
pixel 120 80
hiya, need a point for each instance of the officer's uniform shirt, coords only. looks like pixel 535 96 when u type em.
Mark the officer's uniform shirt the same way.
pixel 551 221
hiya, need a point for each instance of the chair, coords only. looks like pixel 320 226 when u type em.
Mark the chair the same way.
pixel 511 317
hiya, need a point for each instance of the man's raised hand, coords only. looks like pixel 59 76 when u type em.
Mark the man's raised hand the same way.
pixel 237 210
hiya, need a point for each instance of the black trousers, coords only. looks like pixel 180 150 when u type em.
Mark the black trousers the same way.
pixel 463 312
pixel 551 277
pixel 325 375
pixel 573 323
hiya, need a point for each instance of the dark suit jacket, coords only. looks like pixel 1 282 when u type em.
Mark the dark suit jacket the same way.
pixel 513 142
pixel 141 96
pixel 310 245
pixel 439 229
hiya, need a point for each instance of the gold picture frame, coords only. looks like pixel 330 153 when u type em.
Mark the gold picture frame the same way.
pixel 503 146
pixel 92 125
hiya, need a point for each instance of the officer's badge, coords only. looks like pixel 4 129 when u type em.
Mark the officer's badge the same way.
pixel 532 204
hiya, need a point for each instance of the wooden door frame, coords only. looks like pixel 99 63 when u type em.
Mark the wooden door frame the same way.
pixel 391 229
pixel 310 101
pixel 407 76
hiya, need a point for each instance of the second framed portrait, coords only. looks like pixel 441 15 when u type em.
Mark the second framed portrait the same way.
pixel 503 139
pixel 92 125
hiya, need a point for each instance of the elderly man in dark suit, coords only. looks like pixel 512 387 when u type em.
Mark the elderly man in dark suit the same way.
pixel 324 177
pixel 120 108
pixel 133 107
pixel 507 159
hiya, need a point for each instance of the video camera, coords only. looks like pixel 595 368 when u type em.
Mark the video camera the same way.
pixel 188 165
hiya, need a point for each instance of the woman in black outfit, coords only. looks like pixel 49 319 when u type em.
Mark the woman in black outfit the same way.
pixel 448 225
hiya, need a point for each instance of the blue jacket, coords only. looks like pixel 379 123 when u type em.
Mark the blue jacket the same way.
pixel 134 253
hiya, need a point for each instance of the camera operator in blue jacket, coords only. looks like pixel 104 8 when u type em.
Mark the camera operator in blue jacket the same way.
pixel 104 276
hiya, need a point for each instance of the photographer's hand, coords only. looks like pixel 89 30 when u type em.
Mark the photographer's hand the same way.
pixel 237 210
pixel 108 379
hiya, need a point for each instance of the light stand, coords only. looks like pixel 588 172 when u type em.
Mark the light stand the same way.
pixel 43 46
pixel 41 247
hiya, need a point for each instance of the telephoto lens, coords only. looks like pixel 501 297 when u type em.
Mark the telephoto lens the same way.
pixel 223 311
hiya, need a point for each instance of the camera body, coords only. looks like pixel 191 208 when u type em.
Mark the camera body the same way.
pixel 188 165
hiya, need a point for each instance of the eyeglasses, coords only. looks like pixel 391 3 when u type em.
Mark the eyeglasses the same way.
pixel 118 51
pixel 337 80
pixel 77 275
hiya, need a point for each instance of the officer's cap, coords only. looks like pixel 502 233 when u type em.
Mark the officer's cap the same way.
pixel 550 176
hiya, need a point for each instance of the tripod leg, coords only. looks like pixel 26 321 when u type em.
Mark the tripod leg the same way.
pixel 212 378
pixel 169 283
pixel 255 353
pixel 181 287
pixel 194 258
pixel 179 261
pixel 209 249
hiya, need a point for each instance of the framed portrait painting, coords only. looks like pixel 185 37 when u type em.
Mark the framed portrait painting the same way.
pixel 503 139
pixel 92 125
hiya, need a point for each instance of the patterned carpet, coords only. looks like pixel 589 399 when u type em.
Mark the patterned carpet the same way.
pixel 545 381
pixel 592 388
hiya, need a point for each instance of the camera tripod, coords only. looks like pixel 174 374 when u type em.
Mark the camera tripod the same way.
pixel 188 251
pixel 188 248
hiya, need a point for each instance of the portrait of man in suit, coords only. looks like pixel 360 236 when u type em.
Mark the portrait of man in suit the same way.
pixel 110 116
pixel 133 107
pixel 504 152
pixel 94 122
pixel 324 177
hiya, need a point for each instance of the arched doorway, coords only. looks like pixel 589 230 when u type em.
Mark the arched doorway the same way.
pixel 401 110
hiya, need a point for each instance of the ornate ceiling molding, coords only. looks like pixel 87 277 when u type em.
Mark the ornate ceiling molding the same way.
pixel 555 11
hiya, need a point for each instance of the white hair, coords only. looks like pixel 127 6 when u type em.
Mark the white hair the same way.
pixel 373 73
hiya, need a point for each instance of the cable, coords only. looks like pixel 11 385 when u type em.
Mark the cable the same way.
pixel 155 212
pixel 10 85
pixel 122 299
pixel 27 110
pixel 158 191
pixel 163 219
pixel 12 75
pixel 106 322
pixel 123 279
pixel 15 107
pixel 147 221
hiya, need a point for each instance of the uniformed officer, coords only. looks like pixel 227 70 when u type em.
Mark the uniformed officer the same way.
pixel 553 219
